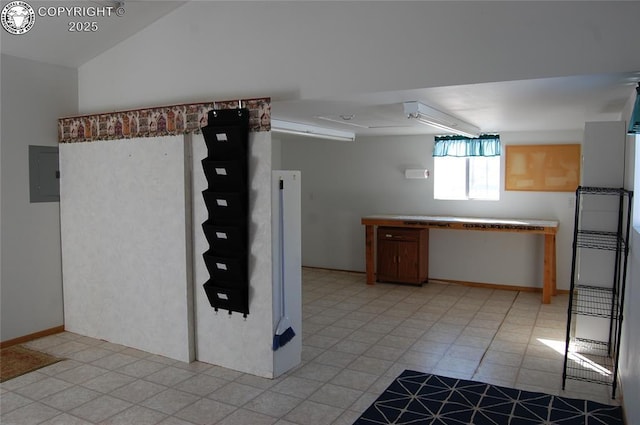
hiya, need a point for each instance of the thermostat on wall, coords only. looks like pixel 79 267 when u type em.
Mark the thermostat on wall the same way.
pixel 416 174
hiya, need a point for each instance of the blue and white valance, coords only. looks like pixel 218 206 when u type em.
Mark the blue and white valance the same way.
pixel 485 145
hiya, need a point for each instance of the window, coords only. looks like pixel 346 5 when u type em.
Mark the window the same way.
pixel 467 168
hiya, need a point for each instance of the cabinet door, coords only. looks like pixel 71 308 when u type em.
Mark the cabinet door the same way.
pixel 387 267
pixel 407 259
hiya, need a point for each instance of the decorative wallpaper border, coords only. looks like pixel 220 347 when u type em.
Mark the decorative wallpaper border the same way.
pixel 157 121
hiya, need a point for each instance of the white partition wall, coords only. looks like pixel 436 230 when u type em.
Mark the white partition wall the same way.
pixel 124 243
pixel 224 339
pixel 603 153
pixel 132 244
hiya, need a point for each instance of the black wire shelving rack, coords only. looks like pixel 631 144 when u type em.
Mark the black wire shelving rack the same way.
pixel 591 360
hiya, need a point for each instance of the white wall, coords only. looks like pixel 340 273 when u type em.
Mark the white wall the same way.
pixel 345 181
pixel 34 95
pixel 285 51
pixel 125 260
pixel 630 341
pixel 290 50
pixel 603 154
pixel 603 151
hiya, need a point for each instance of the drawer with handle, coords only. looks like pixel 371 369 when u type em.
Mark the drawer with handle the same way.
pixel 397 233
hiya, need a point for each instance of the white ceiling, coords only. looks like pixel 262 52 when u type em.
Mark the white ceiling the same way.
pixel 51 41
pixel 564 103
pixel 531 105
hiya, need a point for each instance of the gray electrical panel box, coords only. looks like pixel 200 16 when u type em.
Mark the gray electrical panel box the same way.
pixel 44 174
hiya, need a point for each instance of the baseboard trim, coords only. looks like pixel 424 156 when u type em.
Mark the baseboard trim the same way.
pixel 496 286
pixel 332 269
pixel 620 399
pixel 460 282
pixel 31 337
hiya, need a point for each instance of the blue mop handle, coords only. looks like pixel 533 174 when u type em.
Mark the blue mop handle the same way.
pixel 281 193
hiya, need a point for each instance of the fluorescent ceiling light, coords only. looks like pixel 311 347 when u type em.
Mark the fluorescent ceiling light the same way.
pixel 288 127
pixel 430 116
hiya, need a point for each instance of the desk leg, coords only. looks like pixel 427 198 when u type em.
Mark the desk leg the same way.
pixel 369 259
pixel 553 269
pixel 549 287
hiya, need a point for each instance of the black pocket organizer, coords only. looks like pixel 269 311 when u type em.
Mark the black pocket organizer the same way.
pixel 225 139
pixel 225 176
pixel 232 299
pixel 226 168
pixel 226 207
pixel 232 239
pixel 229 269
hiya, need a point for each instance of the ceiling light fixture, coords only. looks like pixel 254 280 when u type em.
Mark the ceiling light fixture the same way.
pixel 288 127
pixel 430 116
pixel 341 121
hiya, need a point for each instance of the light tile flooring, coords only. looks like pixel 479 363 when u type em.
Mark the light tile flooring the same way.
pixel 356 340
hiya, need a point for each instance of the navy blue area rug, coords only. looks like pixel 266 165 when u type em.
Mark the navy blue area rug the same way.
pixel 425 399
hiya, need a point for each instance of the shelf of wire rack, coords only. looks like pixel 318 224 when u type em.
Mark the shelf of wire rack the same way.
pixel 594 301
pixel 590 361
pixel 592 190
pixel 595 239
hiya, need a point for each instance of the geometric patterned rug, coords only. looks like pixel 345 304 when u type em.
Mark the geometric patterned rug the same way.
pixel 425 399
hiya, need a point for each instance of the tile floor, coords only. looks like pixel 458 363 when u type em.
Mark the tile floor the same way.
pixel 356 340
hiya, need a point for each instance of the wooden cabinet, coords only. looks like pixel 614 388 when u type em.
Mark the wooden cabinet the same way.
pixel 402 255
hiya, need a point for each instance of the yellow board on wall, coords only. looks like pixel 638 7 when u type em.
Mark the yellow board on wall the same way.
pixel 544 168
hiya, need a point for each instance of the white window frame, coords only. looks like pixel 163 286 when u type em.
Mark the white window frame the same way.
pixel 457 190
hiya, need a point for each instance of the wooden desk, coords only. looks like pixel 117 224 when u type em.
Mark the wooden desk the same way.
pixel 548 228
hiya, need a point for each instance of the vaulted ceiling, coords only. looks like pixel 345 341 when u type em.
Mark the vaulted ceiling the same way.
pixel 527 105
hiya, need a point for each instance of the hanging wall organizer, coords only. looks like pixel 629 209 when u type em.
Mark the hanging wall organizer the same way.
pixel 226 168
